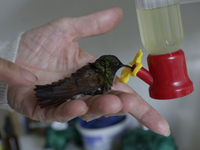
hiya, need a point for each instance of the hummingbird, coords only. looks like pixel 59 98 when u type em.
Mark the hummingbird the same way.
pixel 92 79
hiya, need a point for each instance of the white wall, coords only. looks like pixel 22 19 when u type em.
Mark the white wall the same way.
pixel 124 41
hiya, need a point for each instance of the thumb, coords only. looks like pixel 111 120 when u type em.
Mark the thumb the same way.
pixel 98 23
pixel 15 75
pixel 91 25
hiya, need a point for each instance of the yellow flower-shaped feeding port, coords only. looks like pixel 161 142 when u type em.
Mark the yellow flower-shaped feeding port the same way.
pixel 127 72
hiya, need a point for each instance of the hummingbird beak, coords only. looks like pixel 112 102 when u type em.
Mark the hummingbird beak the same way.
pixel 126 66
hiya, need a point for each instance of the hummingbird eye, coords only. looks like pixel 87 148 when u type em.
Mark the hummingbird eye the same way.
pixel 116 63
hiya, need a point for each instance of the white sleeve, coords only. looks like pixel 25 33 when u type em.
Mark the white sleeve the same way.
pixel 8 51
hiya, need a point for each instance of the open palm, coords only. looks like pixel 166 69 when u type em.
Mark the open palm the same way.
pixel 52 52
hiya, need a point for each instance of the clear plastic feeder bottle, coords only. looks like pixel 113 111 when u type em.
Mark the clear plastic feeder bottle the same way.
pixel 161 33
pixel 160 25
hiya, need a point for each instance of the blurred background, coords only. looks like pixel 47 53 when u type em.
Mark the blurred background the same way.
pixel 124 42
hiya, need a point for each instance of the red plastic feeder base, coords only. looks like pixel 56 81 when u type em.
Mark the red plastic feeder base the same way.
pixel 170 78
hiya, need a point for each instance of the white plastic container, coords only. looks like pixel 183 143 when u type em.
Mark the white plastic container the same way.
pixel 107 138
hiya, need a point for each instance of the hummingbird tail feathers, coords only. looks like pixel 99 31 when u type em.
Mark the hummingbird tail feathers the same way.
pixel 46 97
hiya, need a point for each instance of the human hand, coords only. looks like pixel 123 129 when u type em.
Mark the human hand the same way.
pixel 52 52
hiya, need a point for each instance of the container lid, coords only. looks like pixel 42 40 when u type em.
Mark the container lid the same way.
pixel 101 122
pixel 58 126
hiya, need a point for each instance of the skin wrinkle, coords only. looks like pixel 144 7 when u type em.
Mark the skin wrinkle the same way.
pixel 24 104
pixel 53 53
pixel 97 25
pixel 69 61
pixel 75 33
pixel 11 103
pixel 61 114
pixel 34 55
pixel 88 100
pixel 78 34
pixel 69 36
pixel 82 57
pixel 56 117
pixel 62 62
pixel 27 47
pixel 54 45
pixel 50 114
pixel 33 41
pixel 136 111
pixel 141 110
pixel 40 117
pixel 37 68
pixel 132 104
pixel 34 111
pixel 41 70
pixel 45 116
pixel 142 118
pixel 59 118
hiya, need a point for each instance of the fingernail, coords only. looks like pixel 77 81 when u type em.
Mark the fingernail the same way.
pixel 29 76
pixel 86 110
pixel 169 133
pixel 107 116
pixel 110 115
pixel 88 120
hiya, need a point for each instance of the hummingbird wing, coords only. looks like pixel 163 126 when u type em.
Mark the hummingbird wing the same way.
pixel 85 81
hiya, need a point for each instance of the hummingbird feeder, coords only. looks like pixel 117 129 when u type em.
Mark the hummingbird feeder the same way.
pixel 161 33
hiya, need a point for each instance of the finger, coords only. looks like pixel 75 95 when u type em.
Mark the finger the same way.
pixel 126 100
pixel 140 109
pixel 66 111
pixel 97 23
pixel 148 116
pixel 101 105
pixel 15 75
